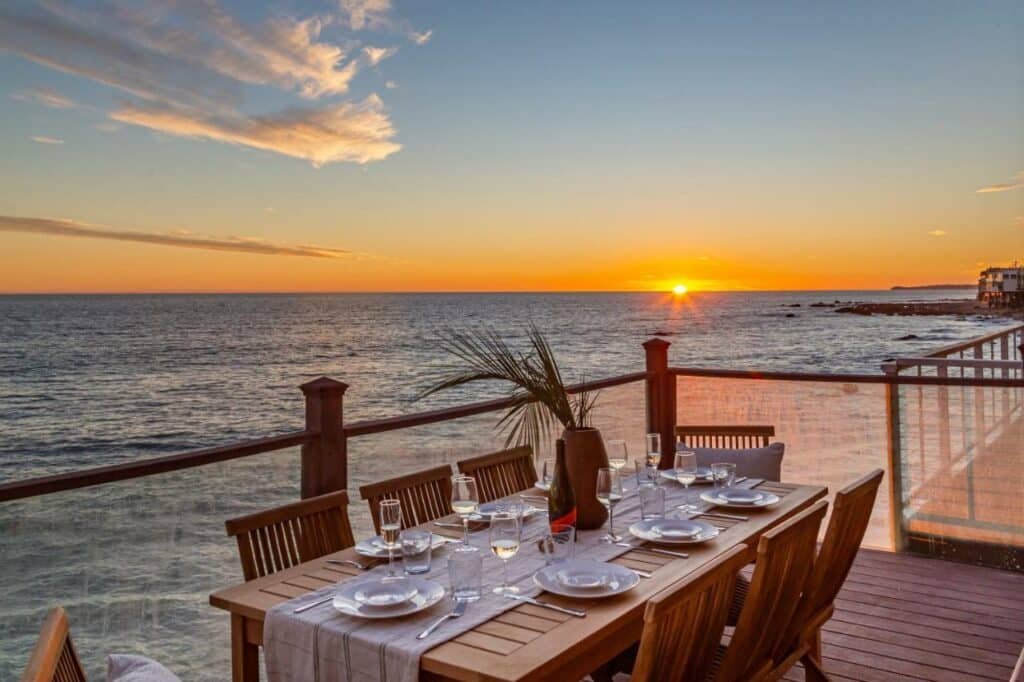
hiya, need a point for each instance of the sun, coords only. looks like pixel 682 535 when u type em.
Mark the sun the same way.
pixel 679 289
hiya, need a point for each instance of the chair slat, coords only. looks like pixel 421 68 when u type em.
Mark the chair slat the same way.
pixel 423 496
pixel 725 436
pixel 54 658
pixel 503 473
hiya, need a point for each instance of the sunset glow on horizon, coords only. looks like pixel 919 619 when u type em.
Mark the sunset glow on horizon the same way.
pixel 391 146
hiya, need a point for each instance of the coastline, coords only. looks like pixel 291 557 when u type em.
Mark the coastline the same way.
pixel 969 307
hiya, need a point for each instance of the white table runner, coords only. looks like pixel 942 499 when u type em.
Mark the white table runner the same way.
pixel 323 645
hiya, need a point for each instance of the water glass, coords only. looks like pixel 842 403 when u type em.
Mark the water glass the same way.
pixel 645 473
pixel 559 544
pixel 466 572
pixel 724 474
pixel 416 550
pixel 546 473
pixel 652 502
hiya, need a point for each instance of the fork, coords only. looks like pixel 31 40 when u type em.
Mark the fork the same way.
pixel 460 608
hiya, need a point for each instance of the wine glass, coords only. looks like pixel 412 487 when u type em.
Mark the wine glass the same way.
pixel 504 536
pixel 653 449
pixel 465 502
pixel 609 493
pixel 686 473
pixel 390 528
pixel 546 474
pixel 618 454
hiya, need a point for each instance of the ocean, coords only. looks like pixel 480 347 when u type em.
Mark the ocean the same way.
pixel 96 380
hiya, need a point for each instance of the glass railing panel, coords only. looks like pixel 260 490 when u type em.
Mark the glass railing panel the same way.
pixel 962 451
pixel 834 432
pixel 134 563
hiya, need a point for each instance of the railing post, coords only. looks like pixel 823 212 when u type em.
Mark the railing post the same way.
pixel 661 399
pixel 892 419
pixel 325 456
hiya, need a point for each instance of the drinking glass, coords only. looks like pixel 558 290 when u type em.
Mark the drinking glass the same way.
pixel 390 527
pixel 686 473
pixel 652 502
pixel 653 449
pixel 466 572
pixel 465 502
pixel 416 550
pixel 546 474
pixel 559 543
pixel 505 545
pixel 645 473
pixel 609 493
pixel 618 453
pixel 724 474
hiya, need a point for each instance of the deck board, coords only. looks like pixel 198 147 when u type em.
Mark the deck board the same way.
pixel 958 632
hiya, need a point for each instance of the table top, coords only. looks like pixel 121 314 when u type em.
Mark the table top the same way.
pixel 530 642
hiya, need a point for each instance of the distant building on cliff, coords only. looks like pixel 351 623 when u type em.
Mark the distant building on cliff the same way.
pixel 1002 287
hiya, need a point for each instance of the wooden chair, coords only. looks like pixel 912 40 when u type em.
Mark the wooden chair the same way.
pixel 732 437
pixel 683 623
pixel 54 658
pixel 423 495
pixel 501 474
pixel 276 539
pixel 785 555
pixel 851 513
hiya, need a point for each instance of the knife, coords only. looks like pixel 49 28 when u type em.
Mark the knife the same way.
pixel 579 613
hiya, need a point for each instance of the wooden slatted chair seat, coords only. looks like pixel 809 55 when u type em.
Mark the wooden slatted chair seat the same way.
pixel 731 437
pixel 500 474
pixel 423 495
pixel 785 555
pixel 54 658
pixel 276 539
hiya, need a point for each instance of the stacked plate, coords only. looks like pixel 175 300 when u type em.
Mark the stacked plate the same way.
pixel 703 475
pixel 674 531
pixel 374 547
pixel 586 579
pixel 739 498
pixel 386 597
pixel 489 509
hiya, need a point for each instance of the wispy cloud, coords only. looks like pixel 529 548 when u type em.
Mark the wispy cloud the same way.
pixel 421 38
pixel 375 55
pixel 44 96
pixel 43 139
pixel 358 132
pixel 390 85
pixel 1017 183
pixel 376 15
pixel 938 233
pixel 179 238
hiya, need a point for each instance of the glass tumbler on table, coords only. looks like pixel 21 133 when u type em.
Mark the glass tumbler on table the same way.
pixel 652 503
pixel 466 572
pixel 390 528
pixel 559 543
pixel 416 550
pixel 724 474
pixel 504 535
pixel 609 493
pixel 465 502
pixel 686 473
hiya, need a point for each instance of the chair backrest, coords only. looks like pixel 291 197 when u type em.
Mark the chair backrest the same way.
pixel 683 623
pixel 734 437
pixel 54 658
pixel 785 555
pixel 279 538
pixel 500 474
pixel 423 495
pixel 851 512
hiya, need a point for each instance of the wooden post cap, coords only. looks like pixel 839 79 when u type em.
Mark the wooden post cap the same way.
pixel 656 344
pixel 323 384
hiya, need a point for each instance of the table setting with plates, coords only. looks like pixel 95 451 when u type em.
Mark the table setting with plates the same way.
pixel 376 625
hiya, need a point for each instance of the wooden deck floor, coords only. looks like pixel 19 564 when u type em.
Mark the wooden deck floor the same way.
pixel 902 617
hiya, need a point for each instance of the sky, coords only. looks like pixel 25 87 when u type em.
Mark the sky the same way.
pixel 382 145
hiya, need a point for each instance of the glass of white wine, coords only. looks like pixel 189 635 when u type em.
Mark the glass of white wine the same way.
pixel 504 534
pixel 390 529
pixel 465 501
pixel 686 473
pixel 618 454
pixel 609 493
pixel 653 449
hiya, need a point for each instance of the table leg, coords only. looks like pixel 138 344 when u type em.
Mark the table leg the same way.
pixel 245 657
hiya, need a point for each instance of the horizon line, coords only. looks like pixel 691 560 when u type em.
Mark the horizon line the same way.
pixel 470 291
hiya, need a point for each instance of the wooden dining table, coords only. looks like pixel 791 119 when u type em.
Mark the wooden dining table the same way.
pixel 527 642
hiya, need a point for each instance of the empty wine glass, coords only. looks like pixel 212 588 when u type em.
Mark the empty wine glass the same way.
pixel 545 474
pixel 618 453
pixel 686 473
pixel 390 528
pixel 609 493
pixel 465 502
pixel 504 536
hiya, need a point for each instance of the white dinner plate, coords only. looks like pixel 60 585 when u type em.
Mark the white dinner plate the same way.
pixel 674 531
pixel 384 592
pixel 721 497
pixel 427 593
pixel 703 475
pixel 585 579
pixel 489 509
pixel 374 547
